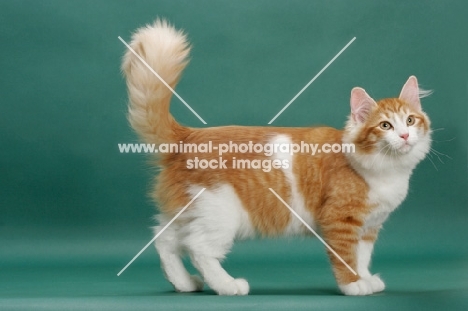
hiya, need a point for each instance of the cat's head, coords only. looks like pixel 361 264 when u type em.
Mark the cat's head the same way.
pixel 390 132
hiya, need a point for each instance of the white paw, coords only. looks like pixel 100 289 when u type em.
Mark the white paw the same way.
pixel 359 288
pixel 376 283
pixel 365 286
pixel 233 287
pixel 195 284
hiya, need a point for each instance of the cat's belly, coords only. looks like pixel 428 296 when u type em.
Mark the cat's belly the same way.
pixel 221 206
pixel 219 209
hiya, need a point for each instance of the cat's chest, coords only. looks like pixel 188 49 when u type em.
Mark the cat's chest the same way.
pixel 386 193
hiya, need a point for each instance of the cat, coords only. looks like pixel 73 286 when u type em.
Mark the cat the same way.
pixel 346 196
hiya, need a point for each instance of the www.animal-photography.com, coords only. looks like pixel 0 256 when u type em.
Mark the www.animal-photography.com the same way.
pixel 260 155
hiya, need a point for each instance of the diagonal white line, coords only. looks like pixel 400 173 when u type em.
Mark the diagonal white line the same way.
pixel 162 230
pixel 164 82
pixel 312 230
pixel 313 79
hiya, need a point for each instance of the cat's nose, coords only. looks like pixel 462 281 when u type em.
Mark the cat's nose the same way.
pixel 404 136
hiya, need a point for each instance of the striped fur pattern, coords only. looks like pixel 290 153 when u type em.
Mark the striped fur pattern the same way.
pixel 347 197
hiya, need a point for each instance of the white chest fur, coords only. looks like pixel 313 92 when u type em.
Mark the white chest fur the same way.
pixel 387 190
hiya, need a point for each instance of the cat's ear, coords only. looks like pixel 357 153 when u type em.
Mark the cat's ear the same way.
pixel 361 104
pixel 410 93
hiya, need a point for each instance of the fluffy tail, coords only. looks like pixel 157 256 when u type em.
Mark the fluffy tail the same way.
pixel 165 50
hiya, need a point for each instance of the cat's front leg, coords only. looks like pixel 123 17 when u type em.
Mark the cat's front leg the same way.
pixel 364 250
pixel 343 236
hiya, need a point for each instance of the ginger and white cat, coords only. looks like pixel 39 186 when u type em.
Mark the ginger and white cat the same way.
pixel 346 197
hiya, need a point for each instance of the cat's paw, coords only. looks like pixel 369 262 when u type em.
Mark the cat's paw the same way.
pixel 233 287
pixel 376 283
pixel 365 286
pixel 194 284
pixel 359 288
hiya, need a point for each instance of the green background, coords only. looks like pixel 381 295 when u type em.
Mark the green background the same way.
pixel 74 211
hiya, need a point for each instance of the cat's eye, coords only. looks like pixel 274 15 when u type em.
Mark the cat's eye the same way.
pixel 410 120
pixel 385 125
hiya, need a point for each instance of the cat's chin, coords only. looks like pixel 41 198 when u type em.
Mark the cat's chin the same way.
pixel 405 149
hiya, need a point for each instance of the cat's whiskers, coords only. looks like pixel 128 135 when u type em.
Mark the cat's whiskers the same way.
pixel 382 159
pixel 430 159
pixel 443 141
pixel 377 155
pixel 438 154
pixel 393 155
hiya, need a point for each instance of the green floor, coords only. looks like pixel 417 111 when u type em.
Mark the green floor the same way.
pixel 74 269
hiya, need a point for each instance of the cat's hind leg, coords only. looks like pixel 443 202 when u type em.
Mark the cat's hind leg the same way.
pixel 217 278
pixel 216 218
pixel 169 248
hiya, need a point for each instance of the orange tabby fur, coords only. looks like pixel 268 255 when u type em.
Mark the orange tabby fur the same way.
pixel 334 193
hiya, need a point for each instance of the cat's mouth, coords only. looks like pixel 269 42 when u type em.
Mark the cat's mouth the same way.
pixel 400 148
pixel 405 148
